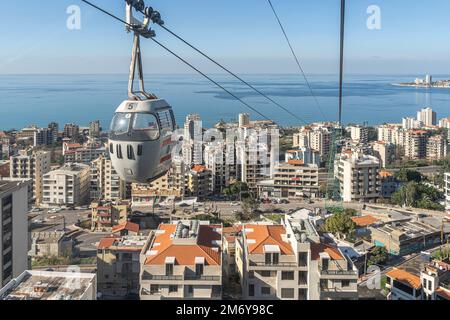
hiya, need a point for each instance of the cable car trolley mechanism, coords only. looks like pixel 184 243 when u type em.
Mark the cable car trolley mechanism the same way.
pixel 140 137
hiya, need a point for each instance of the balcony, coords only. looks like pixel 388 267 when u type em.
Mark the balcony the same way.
pixel 201 278
pixel 279 264
pixel 147 276
pixel 338 272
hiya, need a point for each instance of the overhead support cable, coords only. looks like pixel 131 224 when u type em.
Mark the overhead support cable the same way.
pixel 183 60
pixel 297 60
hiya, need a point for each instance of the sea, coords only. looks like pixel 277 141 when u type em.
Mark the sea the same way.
pixel 371 99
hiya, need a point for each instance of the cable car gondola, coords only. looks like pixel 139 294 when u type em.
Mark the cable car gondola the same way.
pixel 140 135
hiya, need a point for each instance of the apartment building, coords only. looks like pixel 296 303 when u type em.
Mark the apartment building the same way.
pixel 257 153
pixel 192 148
pixel 83 154
pixel 118 266
pixel 436 148
pixel 71 131
pixel 14 237
pixel 405 237
pixel 182 260
pixel 29 164
pixel 198 182
pixel 415 144
pixel 389 184
pixel 94 129
pixel 229 250
pixel 51 285
pixel 289 262
pixel 431 282
pixel 445 123
pixel 292 180
pixel 358 176
pixel 385 152
pixel 317 137
pixel 220 159
pixel 170 185
pixel 411 123
pixel 68 185
pixel 105 215
pixel 389 133
pixel 359 134
pixel 105 182
pixel 427 116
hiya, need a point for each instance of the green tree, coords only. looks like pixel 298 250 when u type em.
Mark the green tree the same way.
pixel 378 256
pixel 341 224
pixel 406 175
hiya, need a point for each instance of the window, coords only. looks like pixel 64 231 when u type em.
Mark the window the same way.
pixel 169 269
pixel 111 148
pixel 265 291
pixel 303 277
pixel 251 274
pixel 130 152
pixel 190 289
pixel 140 150
pixel 166 120
pixel 145 122
pixel 120 123
pixel 119 151
pixel 173 288
pixel 302 294
pixel 303 259
pixel 199 269
pixel 251 290
pixel 272 258
pixel 287 293
pixel 345 283
pixel 325 263
pixel 287 275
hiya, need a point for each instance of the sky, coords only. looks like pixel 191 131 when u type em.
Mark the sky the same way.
pixel 242 34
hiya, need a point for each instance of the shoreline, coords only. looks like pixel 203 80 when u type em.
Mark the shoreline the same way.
pixel 419 86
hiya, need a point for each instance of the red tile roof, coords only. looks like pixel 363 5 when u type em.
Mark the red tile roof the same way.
pixel 296 162
pixel 318 248
pixel 405 277
pixel 365 221
pixel 185 254
pixel 130 226
pixel 266 235
pixel 105 243
pixel 198 168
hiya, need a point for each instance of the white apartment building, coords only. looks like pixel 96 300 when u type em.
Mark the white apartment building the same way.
pixel 14 236
pixel 83 154
pixel 182 260
pixel 292 180
pixel 359 134
pixel 411 123
pixel 244 120
pixel 192 148
pixel 427 116
pixel 436 148
pixel 359 177
pixel 105 182
pixel 68 185
pixel 257 153
pixel 288 262
pixel 385 152
pixel 32 165
pixel 390 133
pixel 445 123
pixel 316 137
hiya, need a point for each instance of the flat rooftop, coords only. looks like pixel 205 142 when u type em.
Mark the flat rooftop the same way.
pixel 46 285
pixel 411 229
pixel 8 186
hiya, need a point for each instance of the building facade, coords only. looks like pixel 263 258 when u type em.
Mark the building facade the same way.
pixel 14 237
pixel 32 165
pixel 182 260
pixel 289 262
pixel 69 185
pixel 359 177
